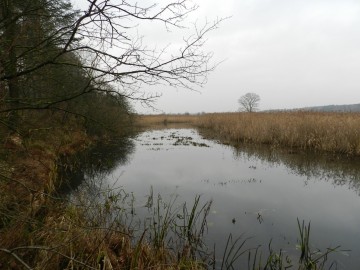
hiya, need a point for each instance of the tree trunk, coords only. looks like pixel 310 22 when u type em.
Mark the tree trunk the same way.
pixel 10 61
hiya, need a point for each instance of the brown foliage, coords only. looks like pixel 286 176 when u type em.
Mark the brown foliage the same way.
pixel 318 131
pixel 332 132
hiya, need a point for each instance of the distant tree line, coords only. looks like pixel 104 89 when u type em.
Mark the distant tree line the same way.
pixel 335 108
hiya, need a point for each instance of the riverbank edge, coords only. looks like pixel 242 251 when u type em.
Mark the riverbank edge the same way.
pixel 43 231
pixel 29 186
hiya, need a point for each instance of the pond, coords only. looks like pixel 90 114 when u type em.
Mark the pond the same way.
pixel 257 193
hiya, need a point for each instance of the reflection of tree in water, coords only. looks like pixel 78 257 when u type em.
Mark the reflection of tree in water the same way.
pixel 95 163
pixel 340 170
pixel 86 187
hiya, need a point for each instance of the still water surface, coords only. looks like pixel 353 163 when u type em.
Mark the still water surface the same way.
pixel 256 193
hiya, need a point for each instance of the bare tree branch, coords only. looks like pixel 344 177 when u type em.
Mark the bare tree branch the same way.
pixel 101 37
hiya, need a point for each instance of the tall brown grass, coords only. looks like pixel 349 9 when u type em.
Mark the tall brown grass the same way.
pixel 164 119
pixel 317 131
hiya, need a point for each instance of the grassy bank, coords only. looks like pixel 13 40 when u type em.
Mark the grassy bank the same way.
pixel 315 131
pixel 43 229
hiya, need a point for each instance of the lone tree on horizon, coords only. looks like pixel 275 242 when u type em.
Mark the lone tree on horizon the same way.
pixel 249 102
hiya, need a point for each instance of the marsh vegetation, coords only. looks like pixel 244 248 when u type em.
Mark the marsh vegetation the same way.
pixel 336 133
pixel 80 189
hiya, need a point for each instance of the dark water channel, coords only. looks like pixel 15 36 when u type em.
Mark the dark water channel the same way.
pixel 256 192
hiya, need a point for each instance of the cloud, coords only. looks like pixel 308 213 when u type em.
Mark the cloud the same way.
pixel 292 53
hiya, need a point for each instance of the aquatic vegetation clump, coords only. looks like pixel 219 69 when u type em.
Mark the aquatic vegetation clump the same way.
pixel 237 252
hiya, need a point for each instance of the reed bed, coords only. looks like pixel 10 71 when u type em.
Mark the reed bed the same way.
pixel 164 119
pixel 331 132
pixel 102 232
pixel 317 131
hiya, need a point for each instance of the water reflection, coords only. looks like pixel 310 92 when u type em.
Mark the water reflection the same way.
pixel 339 170
pixel 95 163
pixel 256 192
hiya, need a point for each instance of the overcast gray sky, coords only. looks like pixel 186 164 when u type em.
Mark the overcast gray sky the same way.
pixel 293 53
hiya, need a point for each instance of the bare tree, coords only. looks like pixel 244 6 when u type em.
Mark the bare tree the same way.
pixel 249 102
pixel 106 37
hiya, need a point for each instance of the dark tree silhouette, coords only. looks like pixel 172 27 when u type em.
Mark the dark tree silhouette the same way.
pixel 37 35
pixel 249 102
